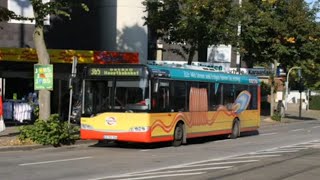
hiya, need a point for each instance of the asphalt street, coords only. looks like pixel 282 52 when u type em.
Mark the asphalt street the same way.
pixel 287 150
pixel 208 158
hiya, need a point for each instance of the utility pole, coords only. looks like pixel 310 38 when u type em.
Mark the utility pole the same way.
pixel 300 91
pixel 287 87
pixel 73 75
pixel 238 58
pixel 273 82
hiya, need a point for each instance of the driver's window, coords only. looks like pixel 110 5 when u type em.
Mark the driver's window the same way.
pixel 120 97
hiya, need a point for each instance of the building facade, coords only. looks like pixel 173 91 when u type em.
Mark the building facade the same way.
pixel 110 26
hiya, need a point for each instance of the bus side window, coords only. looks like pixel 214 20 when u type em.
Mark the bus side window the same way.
pixel 215 96
pixel 162 101
pixel 179 96
pixel 228 95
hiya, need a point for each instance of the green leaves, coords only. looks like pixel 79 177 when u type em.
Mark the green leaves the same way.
pixel 276 30
pixel 43 10
pixel 51 132
pixel 6 15
pixel 192 23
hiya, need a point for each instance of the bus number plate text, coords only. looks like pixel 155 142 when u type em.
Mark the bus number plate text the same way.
pixel 110 137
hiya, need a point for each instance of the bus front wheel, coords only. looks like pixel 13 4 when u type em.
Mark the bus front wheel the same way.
pixel 235 130
pixel 178 135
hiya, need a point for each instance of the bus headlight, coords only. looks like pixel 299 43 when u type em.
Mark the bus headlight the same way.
pixel 139 129
pixel 86 126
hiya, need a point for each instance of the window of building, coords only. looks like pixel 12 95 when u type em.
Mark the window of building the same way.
pixel 24 8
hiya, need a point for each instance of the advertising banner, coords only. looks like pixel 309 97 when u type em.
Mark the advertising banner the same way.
pixel 66 56
pixel 43 77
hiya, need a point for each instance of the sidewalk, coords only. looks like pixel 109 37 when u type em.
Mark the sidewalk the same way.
pixel 9 138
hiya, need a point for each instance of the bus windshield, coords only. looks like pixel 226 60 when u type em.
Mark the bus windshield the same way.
pixel 116 95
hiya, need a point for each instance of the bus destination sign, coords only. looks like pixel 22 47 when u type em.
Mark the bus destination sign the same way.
pixel 114 71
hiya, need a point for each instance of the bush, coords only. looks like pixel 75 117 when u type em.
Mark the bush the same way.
pixel 315 102
pixel 276 116
pixel 51 132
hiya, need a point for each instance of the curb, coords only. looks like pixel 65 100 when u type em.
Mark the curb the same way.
pixel 38 146
pixel 263 123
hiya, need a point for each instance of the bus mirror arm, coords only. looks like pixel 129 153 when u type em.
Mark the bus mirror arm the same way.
pixel 156 86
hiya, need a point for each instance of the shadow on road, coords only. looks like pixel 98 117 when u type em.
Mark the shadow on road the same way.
pixel 130 145
pixel 300 118
pixel 10 134
pixel 192 141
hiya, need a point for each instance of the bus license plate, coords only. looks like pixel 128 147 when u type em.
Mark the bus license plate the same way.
pixel 110 137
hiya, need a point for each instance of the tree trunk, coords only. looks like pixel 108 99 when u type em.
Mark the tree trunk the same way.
pixel 43 59
pixel 191 54
pixel 272 96
pixel 202 52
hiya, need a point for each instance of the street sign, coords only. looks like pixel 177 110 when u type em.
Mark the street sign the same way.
pixel 43 77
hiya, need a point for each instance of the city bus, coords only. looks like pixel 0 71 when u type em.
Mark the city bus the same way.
pixel 154 103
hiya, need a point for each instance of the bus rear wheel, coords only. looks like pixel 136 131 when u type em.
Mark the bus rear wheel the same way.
pixel 178 135
pixel 235 130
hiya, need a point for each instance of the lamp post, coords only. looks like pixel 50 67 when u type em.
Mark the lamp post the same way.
pixel 287 86
pixel 238 58
pixel 300 91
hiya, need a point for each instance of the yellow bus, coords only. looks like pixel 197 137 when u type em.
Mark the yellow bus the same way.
pixel 151 103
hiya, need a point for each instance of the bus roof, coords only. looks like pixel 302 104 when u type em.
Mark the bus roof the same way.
pixel 202 75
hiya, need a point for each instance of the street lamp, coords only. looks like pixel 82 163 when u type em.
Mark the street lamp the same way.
pixel 287 86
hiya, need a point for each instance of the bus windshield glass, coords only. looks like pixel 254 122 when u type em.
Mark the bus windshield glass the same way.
pixel 116 95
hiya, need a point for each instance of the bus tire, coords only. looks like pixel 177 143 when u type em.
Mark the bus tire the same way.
pixel 178 135
pixel 235 129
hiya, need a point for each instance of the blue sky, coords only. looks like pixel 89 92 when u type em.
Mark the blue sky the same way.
pixel 311 1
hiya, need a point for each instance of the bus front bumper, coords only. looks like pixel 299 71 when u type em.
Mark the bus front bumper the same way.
pixel 117 136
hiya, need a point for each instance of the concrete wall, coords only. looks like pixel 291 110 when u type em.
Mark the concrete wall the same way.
pixel 294 98
pixel 121 26
pixel 15 35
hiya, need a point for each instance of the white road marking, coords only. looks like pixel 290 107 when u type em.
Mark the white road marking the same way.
pixel 275 152
pixel 161 172
pixel 221 163
pixel 268 134
pixel 235 156
pixel 144 150
pixel 293 148
pixel 54 161
pixel 256 156
pixel 161 176
pixel 297 130
pixel 182 171
pixel 221 141
pixel 316 127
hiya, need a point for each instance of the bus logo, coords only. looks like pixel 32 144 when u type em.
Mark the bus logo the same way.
pixel 111 121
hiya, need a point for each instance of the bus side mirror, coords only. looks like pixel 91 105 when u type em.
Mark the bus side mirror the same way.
pixel 156 86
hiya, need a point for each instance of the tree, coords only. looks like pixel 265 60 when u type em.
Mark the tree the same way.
pixel 276 31
pixel 41 11
pixel 5 14
pixel 193 24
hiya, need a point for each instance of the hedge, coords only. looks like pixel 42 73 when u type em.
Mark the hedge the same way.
pixel 314 102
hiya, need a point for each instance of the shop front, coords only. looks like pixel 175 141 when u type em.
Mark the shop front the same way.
pixel 20 99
